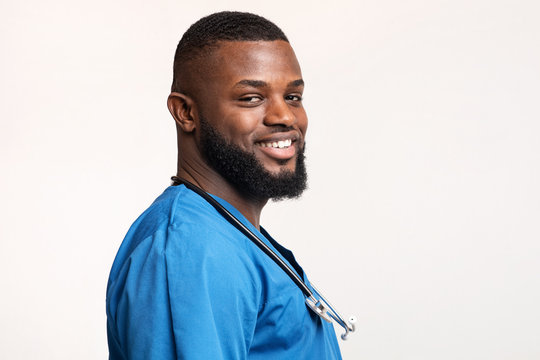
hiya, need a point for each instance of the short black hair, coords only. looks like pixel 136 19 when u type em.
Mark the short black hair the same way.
pixel 221 26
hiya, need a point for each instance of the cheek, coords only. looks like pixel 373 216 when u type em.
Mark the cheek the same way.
pixel 302 119
pixel 226 119
pixel 239 127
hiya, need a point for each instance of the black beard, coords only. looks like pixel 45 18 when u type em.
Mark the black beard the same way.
pixel 246 173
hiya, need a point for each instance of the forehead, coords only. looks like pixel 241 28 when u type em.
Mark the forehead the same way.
pixel 233 61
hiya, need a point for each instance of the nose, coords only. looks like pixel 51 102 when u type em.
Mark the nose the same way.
pixel 278 112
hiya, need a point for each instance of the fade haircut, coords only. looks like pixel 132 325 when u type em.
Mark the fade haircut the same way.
pixel 204 35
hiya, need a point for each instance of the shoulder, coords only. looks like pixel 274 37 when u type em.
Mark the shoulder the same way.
pixel 178 214
pixel 181 230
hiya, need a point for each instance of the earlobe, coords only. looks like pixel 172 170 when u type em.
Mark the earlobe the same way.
pixel 182 109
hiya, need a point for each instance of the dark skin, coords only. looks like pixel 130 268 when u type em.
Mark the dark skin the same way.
pixel 251 92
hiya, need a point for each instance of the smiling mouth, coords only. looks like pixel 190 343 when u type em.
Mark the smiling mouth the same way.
pixel 279 150
pixel 282 144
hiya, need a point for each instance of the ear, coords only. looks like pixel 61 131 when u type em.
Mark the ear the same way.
pixel 182 108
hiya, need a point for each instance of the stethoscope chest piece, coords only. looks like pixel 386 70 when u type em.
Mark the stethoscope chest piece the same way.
pixel 318 308
pixel 326 311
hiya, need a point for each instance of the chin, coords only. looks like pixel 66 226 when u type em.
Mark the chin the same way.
pixel 279 170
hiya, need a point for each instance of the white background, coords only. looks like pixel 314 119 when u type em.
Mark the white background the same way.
pixel 422 216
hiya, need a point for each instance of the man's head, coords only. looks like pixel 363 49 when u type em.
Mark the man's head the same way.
pixel 237 101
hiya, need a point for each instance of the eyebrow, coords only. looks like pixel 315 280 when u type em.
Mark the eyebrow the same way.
pixel 296 83
pixel 251 83
pixel 261 84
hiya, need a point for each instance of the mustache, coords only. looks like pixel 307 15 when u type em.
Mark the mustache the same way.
pixel 281 129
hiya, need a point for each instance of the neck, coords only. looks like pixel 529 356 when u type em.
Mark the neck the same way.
pixel 215 184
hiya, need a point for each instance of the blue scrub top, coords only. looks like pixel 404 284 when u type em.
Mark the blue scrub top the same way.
pixel 186 284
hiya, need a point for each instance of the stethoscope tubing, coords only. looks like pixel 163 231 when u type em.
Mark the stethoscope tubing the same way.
pixel 247 232
pixel 320 306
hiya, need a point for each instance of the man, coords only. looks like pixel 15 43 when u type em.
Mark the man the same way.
pixel 186 283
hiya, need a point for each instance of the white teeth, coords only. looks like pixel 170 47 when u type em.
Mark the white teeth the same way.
pixel 277 144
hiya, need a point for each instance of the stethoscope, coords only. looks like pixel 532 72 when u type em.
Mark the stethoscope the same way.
pixel 319 306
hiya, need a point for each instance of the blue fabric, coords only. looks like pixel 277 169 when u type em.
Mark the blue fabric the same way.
pixel 186 284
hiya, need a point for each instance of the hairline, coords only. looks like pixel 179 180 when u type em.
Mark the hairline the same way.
pixel 205 54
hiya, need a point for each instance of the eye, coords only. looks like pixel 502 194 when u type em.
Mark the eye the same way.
pixel 251 99
pixel 293 97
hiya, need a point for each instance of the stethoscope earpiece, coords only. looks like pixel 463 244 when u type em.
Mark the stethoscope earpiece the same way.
pixel 351 321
